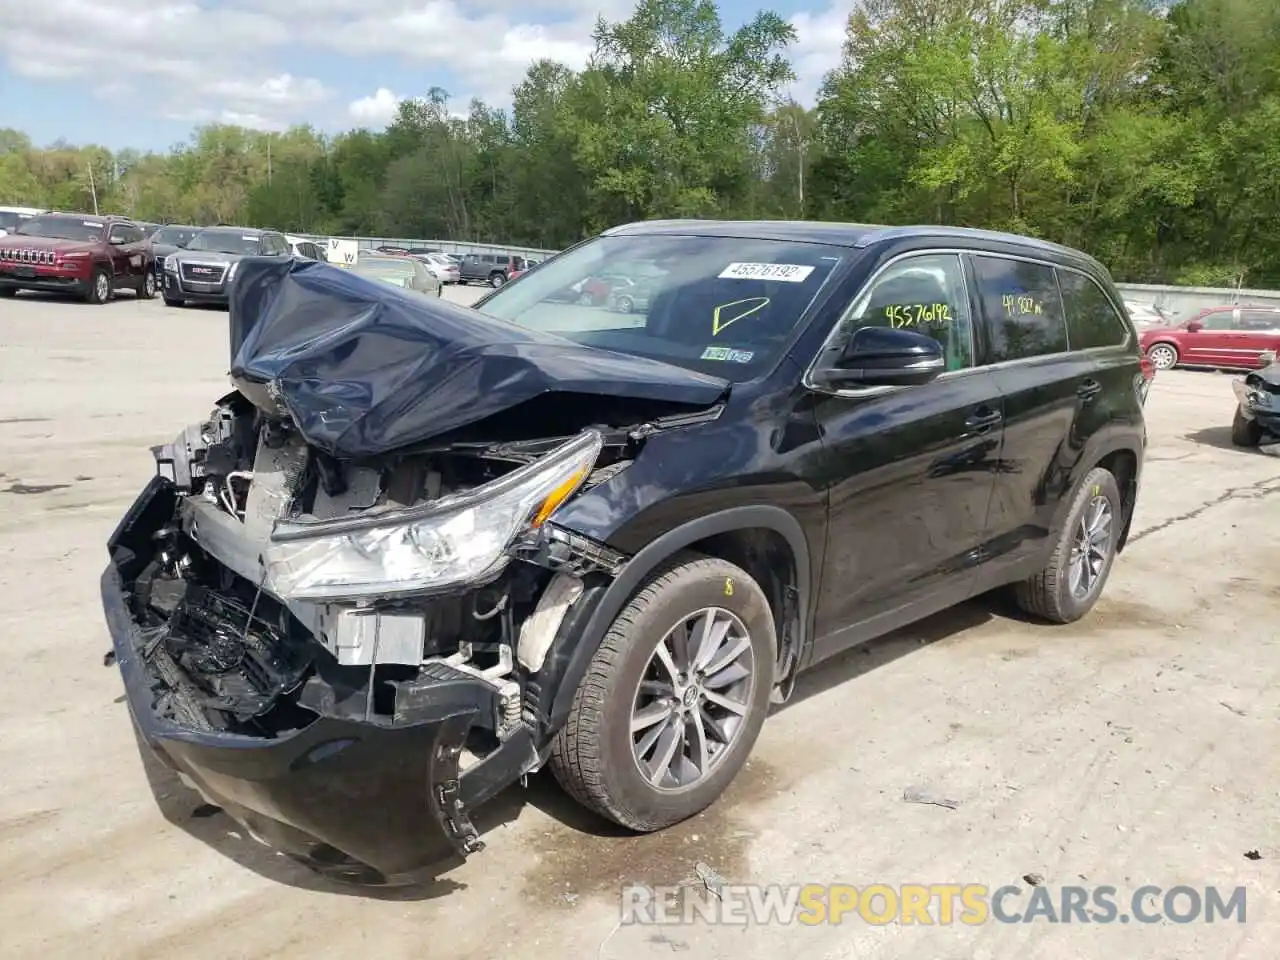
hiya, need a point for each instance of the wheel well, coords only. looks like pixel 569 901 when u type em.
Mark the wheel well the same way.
pixel 1162 343
pixel 767 556
pixel 1123 465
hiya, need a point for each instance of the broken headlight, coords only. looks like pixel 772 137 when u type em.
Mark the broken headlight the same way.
pixel 454 540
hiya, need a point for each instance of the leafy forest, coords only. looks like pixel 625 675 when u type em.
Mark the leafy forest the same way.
pixel 1145 132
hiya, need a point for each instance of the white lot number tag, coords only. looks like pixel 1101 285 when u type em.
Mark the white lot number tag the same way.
pixel 786 272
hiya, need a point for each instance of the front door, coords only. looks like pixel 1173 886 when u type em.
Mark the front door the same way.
pixel 909 469
pixel 1212 345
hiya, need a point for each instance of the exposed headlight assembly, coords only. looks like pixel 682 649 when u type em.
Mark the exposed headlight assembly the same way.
pixel 455 540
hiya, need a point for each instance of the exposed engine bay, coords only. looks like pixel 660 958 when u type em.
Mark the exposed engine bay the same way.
pixel 236 653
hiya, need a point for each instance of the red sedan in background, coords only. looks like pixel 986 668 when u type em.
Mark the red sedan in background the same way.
pixel 1233 338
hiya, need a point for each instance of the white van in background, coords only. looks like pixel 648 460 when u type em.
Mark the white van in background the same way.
pixel 11 217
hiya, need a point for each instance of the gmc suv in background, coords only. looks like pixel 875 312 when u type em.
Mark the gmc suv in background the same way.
pixel 494 269
pixel 79 254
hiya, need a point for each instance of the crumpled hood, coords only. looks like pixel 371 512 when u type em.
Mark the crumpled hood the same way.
pixel 364 368
pixel 1270 375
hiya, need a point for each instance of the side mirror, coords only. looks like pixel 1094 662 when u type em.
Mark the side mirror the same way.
pixel 1194 326
pixel 883 356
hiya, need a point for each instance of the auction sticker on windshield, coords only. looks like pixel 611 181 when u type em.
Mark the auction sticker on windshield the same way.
pixel 786 272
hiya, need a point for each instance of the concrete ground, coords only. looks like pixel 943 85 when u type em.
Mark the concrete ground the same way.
pixel 1140 746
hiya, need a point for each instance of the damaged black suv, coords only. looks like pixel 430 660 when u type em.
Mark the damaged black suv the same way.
pixel 422 550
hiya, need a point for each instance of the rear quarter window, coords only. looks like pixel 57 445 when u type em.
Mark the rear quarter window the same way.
pixel 1092 319
pixel 1021 309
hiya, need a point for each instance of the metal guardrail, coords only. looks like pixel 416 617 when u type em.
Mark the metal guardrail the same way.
pixel 444 246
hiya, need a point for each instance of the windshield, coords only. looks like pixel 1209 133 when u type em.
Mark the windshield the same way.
pixel 225 241
pixel 718 305
pixel 174 236
pixel 9 220
pixel 62 228
pixel 396 272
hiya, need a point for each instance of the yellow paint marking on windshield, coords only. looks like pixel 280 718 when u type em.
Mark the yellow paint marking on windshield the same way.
pixel 721 321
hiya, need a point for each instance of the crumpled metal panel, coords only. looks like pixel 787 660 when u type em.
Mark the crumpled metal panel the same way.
pixel 364 368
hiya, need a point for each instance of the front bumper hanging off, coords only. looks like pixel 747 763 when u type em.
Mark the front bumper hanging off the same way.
pixel 385 791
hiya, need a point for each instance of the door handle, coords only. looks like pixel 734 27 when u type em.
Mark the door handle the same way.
pixel 982 420
pixel 1088 390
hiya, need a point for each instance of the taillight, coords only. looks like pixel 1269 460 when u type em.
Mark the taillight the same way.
pixel 1148 368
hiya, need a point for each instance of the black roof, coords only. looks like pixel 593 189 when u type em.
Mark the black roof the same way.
pixel 855 235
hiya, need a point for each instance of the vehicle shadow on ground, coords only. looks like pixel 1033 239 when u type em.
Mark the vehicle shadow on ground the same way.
pixel 605 841
pixel 124 294
pixel 1219 437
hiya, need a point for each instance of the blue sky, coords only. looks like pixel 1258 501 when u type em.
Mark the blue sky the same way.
pixel 126 74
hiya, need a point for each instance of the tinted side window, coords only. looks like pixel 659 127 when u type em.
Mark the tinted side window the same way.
pixel 1260 321
pixel 925 294
pixel 1021 308
pixel 1092 320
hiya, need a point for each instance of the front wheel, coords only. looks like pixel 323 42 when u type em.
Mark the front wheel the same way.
pixel 1070 584
pixel 673 699
pixel 1245 432
pixel 147 287
pixel 496 279
pixel 8 292
pixel 99 291
pixel 170 302
pixel 1164 356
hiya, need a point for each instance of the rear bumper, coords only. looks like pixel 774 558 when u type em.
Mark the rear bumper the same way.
pixel 384 791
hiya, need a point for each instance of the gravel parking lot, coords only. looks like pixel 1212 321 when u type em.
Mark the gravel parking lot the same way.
pixel 1137 747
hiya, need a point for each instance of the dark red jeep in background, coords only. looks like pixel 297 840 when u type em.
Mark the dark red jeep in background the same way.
pixel 88 256
pixel 1230 338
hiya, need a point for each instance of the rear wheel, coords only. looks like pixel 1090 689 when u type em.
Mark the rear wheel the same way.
pixel 1070 584
pixel 1164 356
pixel 99 286
pixel 1245 432
pixel 673 699
pixel 625 304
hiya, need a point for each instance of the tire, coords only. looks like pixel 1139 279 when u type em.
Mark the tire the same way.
pixel 7 293
pixel 147 286
pixel 1049 594
pixel 1163 355
pixel 100 290
pixel 497 279
pixel 170 302
pixel 1245 432
pixel 593 755
pixel 625 304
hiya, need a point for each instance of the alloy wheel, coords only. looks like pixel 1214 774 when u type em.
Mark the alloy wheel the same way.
pixel 102 287
pixel 149 286
pixel 691 703
pixel 1091 547
pixel 1163 356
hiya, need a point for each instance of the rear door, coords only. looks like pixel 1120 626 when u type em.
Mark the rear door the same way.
pixel 1259 332
pixel 1048 391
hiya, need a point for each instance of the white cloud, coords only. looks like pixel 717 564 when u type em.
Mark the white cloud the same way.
pixel 221 60
pixel 819 39
pixel 375 111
